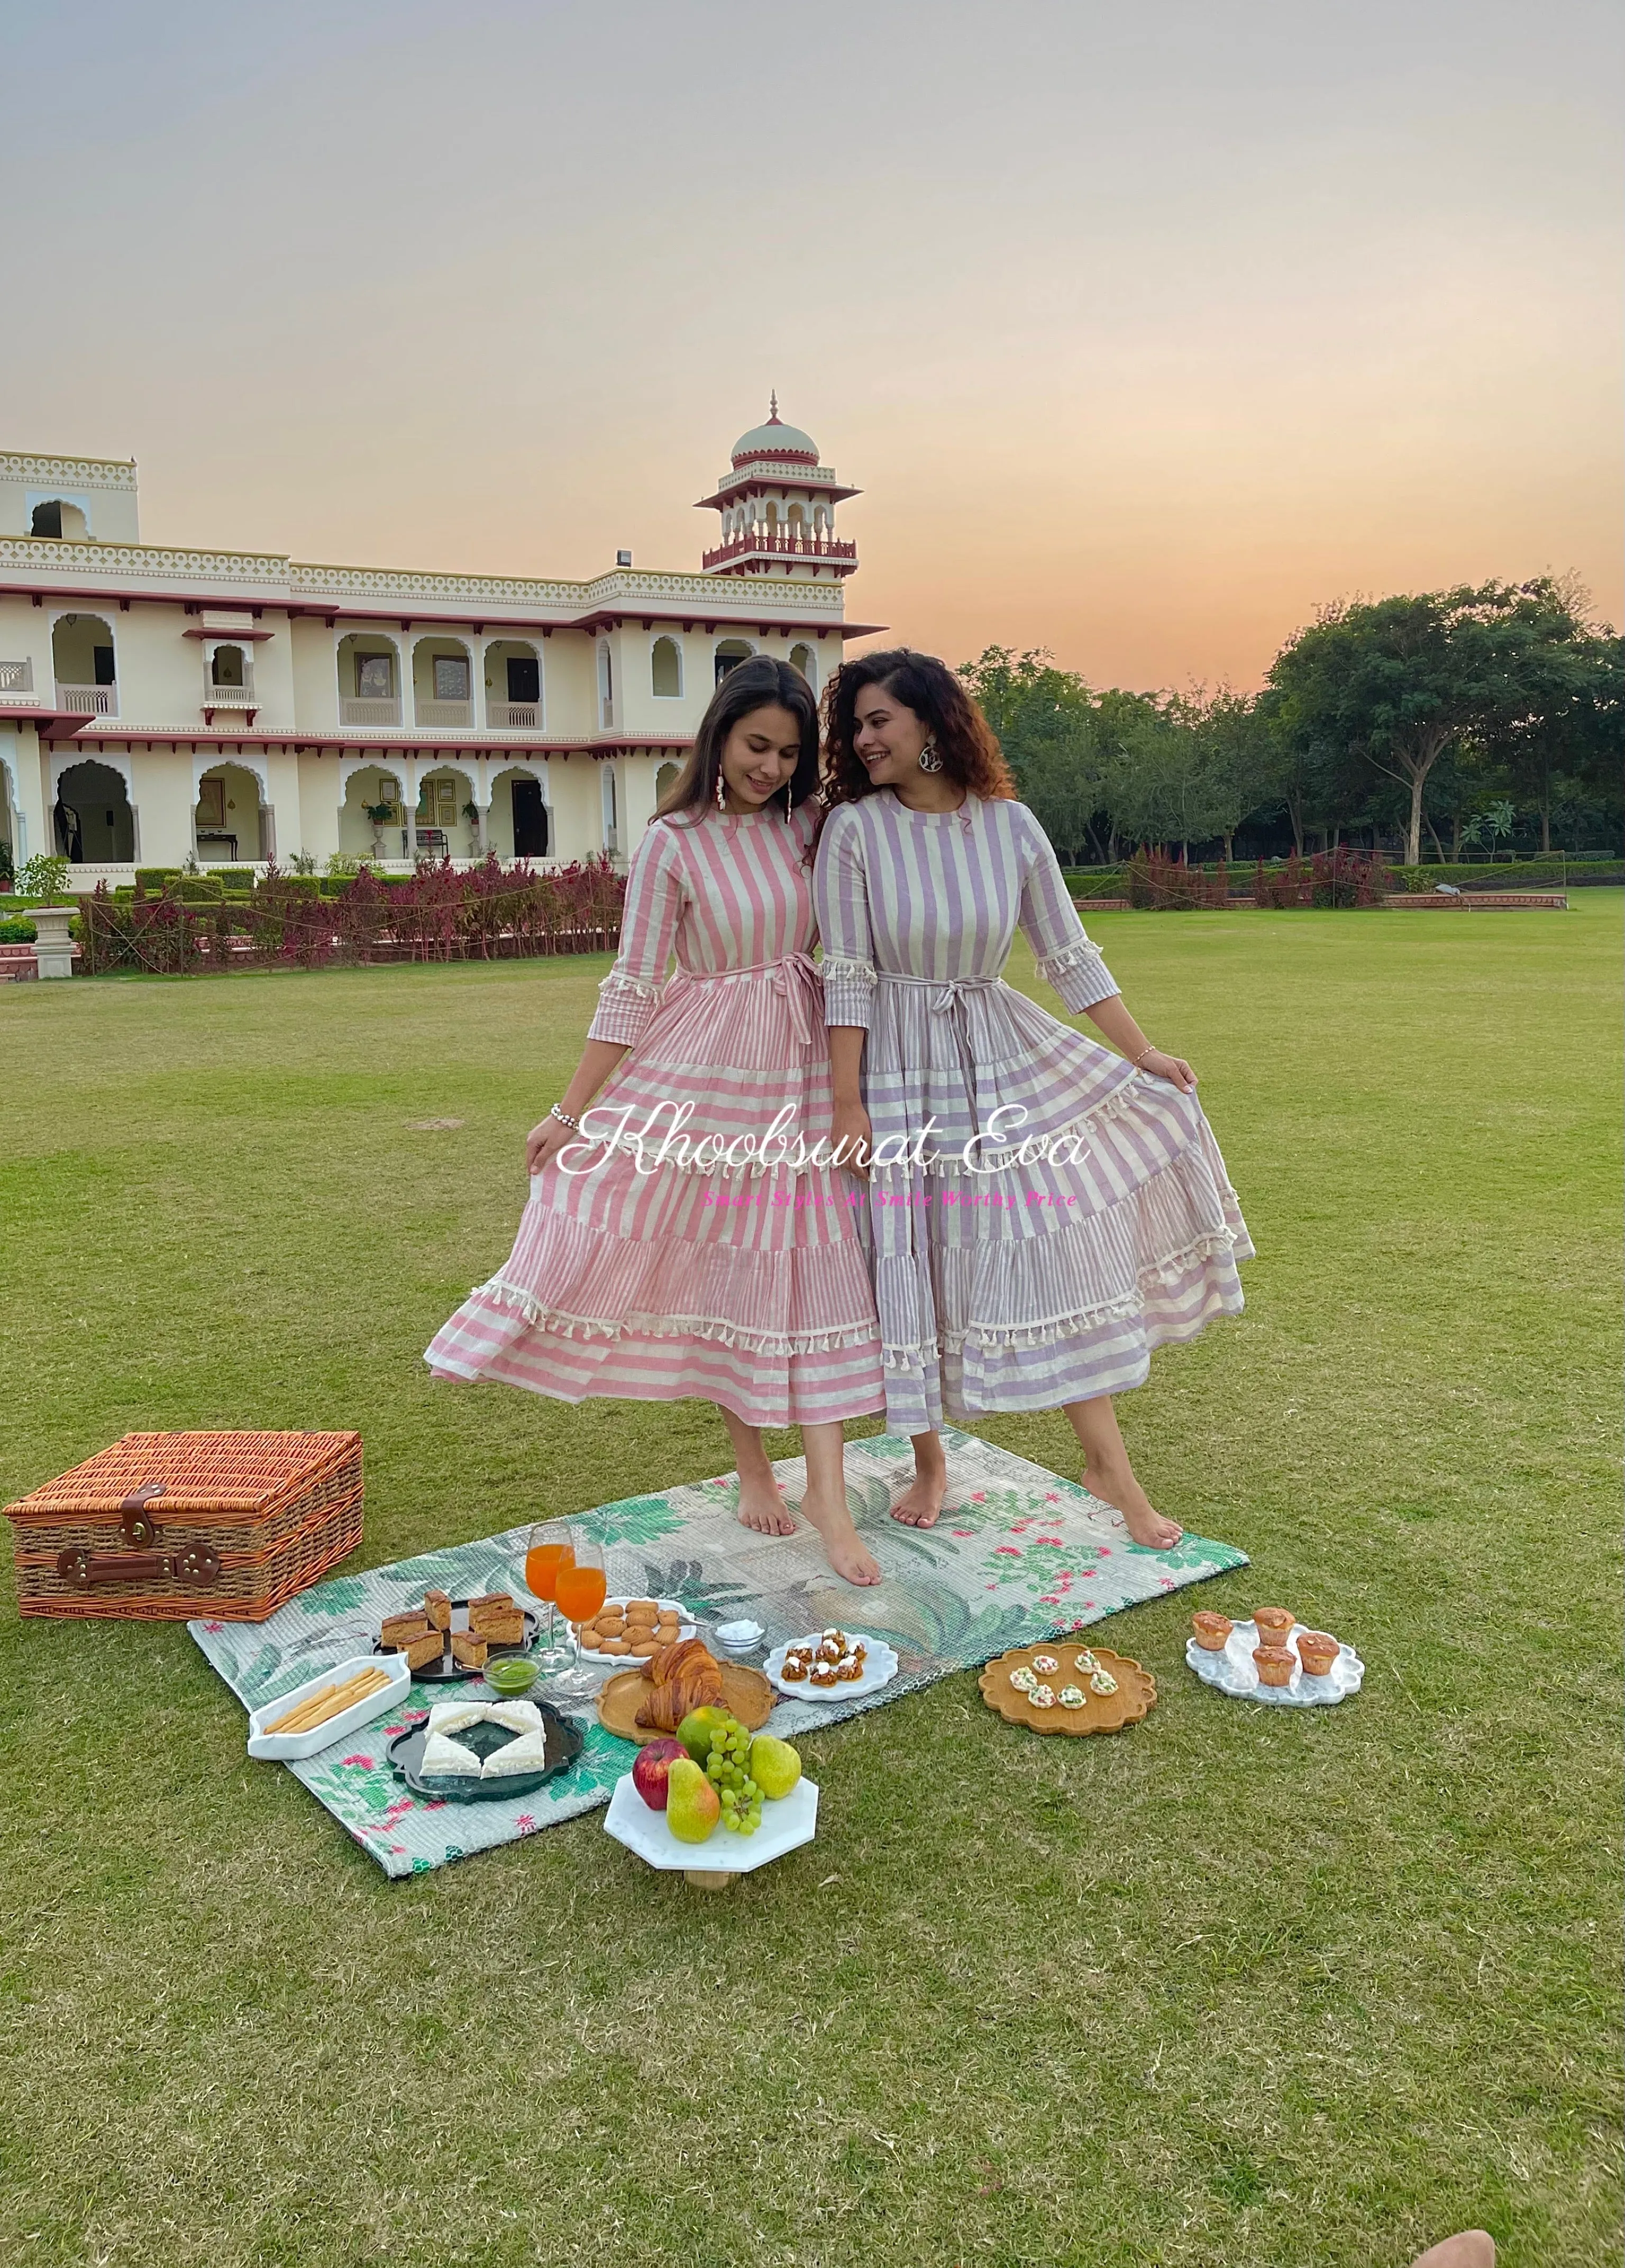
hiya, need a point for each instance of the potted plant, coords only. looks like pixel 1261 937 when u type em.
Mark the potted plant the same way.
pixel 379 815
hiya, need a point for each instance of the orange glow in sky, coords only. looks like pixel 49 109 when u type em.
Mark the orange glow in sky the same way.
pixel 1143 332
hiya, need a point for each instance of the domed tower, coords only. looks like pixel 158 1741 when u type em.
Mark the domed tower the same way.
pixel 777 506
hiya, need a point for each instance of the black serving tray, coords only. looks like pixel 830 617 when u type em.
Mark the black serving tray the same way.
pixel 447 1672
pixel 565 1739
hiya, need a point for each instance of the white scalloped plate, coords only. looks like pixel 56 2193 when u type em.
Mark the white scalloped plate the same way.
pixel 879 1669
pixel 1234 1672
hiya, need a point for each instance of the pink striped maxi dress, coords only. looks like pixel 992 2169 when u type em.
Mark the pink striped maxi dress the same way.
pixel 1023 1286
pixel 722 1276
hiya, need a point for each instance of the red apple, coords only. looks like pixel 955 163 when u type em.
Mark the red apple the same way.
pixel 654 1761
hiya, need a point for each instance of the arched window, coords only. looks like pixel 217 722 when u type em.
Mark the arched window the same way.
pixel 802 658
pixel 59 518
pixel 730 654
pixel 665 669
pixel 226 666
pixel 665 779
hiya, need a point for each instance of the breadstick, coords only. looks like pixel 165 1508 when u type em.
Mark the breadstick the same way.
pixel 329 1702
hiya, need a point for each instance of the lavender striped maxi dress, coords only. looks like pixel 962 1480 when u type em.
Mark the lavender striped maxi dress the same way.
pixel 1036 1285
pixel 745 1286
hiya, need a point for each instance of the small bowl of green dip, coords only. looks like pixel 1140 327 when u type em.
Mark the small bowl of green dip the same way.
pixel 510 1676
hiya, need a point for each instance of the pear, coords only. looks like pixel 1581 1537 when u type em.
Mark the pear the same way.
pixel 774 1765
pixel 692 1806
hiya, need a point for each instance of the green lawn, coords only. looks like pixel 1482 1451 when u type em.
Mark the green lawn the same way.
pixel 1243 1987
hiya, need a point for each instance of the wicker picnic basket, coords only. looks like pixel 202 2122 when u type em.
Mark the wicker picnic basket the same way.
pixel 163 1527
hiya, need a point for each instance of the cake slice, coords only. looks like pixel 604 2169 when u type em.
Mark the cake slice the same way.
pixel 501 1625
pixel 468 1651
pixel 528 1753
pixel 423 1651
pixel 400 1630
pixel 437 1607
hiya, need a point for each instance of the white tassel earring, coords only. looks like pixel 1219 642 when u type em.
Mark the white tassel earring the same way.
pixel 930 755
pixel 722 791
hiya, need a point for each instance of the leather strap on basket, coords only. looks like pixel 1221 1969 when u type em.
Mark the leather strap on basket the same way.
pixel 198 1563
pixel 134 1525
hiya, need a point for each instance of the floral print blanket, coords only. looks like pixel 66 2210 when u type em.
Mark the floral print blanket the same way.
pixel 1018 1554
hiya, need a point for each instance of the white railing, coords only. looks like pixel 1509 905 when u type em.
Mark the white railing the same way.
pixel 16 677
pixel 369 709
pixel 230 696
pixel 88 700
pixel 458 714
pixel 514 716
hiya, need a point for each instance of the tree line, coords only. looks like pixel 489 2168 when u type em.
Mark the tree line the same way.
pixel 1467 715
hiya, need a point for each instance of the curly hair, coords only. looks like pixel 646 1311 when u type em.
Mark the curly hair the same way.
pixel 971 757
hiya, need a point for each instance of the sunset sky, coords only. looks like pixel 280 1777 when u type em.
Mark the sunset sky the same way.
pixel 1144 330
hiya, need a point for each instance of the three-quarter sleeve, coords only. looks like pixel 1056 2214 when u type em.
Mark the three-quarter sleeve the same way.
pixel 629 995
pixel 1067 957
pixel 840 899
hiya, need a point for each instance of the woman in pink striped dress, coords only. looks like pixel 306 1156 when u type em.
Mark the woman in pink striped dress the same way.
pixel 675 1244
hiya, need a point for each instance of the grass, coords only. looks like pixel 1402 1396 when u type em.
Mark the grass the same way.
pixel 1244 1987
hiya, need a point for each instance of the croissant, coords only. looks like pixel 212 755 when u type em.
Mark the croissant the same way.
pixel 680 1677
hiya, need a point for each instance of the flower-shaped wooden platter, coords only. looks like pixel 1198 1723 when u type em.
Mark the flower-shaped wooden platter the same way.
pixel 1101 1712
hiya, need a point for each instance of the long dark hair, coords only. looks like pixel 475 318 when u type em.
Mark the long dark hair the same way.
pixel 759 683
pixel 971 757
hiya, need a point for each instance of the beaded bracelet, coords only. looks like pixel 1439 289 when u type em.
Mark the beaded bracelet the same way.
pixel 565 1119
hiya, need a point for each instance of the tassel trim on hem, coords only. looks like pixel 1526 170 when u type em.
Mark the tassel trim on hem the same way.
pixel 712 1328
pixel 898 1356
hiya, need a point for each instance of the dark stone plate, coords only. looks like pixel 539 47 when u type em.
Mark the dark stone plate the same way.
pixel 564 1741
pixel 447 1672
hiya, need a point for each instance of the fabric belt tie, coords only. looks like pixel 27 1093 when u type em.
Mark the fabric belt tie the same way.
pixel 948 994
pixel 794 977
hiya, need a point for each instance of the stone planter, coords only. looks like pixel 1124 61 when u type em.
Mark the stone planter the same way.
pixel 54 950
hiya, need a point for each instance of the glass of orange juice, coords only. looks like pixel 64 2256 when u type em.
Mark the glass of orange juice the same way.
pixel 549 1550
pixel 580 1587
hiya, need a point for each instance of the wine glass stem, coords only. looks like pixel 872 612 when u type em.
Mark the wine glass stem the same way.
pixel 550 1625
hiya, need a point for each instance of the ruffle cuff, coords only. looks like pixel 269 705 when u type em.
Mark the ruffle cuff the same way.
pixel 849 992
pixel 625 1009
pixel 1079 973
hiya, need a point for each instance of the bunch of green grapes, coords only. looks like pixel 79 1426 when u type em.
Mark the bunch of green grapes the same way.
pixel 728 1770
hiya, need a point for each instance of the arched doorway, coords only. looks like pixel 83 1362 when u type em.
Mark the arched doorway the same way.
pixel 229 817
pixel 372 815
pixel 369 680
pixel 519 821
pixel 85 663
pixel 444 827
pixel 513 686
pixel 95 824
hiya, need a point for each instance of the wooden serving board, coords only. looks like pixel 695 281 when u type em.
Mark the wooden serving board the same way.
pixel 746 1694
pixel 1102 1713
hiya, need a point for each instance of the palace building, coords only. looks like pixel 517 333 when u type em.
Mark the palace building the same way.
pixel 158 706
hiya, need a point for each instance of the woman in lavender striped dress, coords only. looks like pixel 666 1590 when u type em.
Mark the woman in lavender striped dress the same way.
pixel 672 1246
pixel 1091 1219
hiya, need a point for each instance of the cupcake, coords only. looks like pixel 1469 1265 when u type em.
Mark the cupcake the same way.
pixel 1316 1652
pixel 1274 1626
pixel 1210 1630
pixel 1274 1664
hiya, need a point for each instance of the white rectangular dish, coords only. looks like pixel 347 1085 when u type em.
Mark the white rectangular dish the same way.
pixel 281 1748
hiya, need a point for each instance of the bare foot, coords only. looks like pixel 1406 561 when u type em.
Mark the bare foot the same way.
pixel 843 1547
pixel 1115 1484
pixel 763 1509
pixel 920 1505
pixel 1474 2248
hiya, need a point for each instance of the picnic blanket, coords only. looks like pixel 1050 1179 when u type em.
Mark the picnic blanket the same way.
pixel 1018 1554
